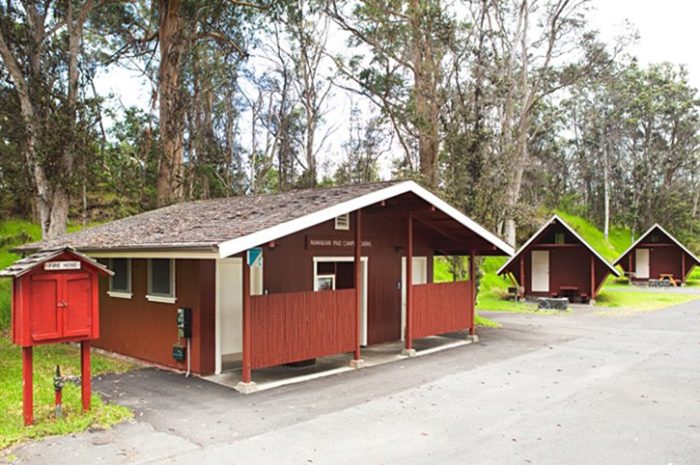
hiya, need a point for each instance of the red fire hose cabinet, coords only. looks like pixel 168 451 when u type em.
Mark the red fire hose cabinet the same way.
pixel 55 298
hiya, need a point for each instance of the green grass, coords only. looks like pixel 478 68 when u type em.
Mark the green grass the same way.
pixel 484 322
pixel 618 240
pixel 12 430
pixel 12 233
pixel 642 301
pixel 694 278
pixel 101 415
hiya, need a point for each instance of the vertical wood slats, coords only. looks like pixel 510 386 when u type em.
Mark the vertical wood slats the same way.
pixel 290 327
pixel 440 308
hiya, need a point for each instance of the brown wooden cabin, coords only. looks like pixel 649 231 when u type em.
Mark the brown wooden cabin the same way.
pixel 657 255
pixel 557 262
pixel 271 279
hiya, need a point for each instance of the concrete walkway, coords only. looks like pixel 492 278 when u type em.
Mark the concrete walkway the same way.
pixel 561 389
pixel 374 355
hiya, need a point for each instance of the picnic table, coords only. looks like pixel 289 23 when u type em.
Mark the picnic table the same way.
pixel 668 277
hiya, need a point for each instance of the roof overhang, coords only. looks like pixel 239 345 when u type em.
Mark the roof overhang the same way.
pixel 539 232
pixel 30 262
pixel 643 236
pixel 243 243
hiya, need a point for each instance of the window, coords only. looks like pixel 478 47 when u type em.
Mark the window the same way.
pixel 559 238
pixel 342 222
pixel 325 282
pixel 120 282
pixel 161 280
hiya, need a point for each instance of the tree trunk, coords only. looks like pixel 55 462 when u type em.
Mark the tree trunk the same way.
pixel 169 184
pixel 606 184
pixel 427 108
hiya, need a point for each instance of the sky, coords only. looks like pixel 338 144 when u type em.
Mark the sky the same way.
pixel 668 30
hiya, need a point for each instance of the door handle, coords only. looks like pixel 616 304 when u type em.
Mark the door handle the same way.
pixel 63 304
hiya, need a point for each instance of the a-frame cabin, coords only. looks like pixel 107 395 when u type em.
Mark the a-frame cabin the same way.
pixel 557 262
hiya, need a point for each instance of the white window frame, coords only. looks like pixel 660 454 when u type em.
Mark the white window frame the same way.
pixel 162 298
pixel 324 276
pixel 341 226
pixel 121 293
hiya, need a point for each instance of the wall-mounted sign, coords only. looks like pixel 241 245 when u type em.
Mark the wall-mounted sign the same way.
pixel 254 256
pixel 65 265
pixel 333 242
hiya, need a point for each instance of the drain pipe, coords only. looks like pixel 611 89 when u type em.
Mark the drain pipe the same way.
pixel 189 358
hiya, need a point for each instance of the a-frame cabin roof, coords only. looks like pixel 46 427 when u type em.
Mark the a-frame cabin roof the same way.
pixel 232 225
pixel 556 219
pixel 649 231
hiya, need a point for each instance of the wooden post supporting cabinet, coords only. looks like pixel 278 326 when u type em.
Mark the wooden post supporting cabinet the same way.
pixel 55 299
pixel 27 386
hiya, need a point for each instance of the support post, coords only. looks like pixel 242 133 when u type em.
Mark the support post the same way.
pixel 472 278
pixel 357 356
pixel 682 268
pixel 27 386
pixel 630 266
pixel 246 386
pixel 521 290
pixel 593 289
pixel 247 330
pixel 408 337
pixel 85 376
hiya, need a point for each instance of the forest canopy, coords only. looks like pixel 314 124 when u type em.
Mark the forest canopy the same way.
pixel 507 108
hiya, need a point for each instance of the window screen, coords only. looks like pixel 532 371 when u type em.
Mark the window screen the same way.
pixel 120 282
pixel 161 277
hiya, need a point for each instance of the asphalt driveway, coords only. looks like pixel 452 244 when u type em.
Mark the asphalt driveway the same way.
pixel 573 389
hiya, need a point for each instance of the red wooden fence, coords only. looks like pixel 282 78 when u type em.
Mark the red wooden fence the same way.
pixel 291 327
pixel 442 308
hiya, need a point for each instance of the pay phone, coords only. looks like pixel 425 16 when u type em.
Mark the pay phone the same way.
pixel 184 322
pixel 184 330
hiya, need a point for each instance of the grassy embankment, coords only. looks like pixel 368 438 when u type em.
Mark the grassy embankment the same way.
pixel 12 431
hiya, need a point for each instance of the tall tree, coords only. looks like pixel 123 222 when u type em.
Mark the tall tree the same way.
pixel 41 46
pixel 404 73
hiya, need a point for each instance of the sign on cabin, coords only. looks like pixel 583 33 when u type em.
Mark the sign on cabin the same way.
pixel 333 242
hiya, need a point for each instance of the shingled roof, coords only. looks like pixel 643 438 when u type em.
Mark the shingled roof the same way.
pixel 234 224
pixel 26 264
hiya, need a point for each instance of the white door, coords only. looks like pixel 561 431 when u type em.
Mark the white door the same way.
pixel 420 276
pixel 642 264
pixel 540 271
pixel 230 294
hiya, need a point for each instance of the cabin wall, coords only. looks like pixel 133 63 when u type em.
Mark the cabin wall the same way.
pixel 148 330
pixel 289 267
pixel 567 267
pixel 665 259
pixel 569 264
